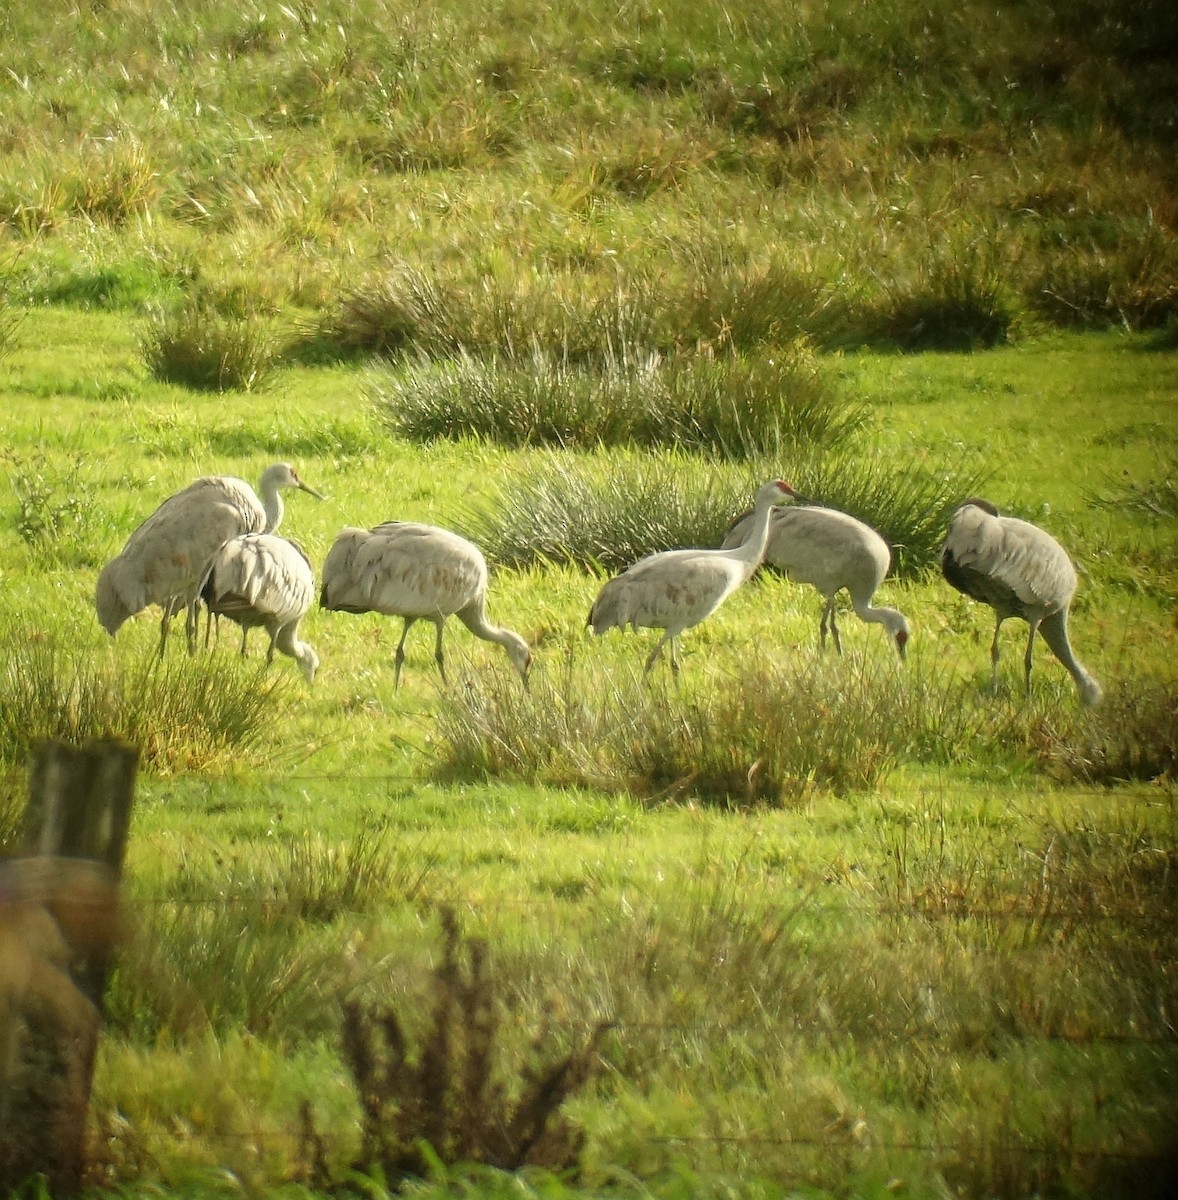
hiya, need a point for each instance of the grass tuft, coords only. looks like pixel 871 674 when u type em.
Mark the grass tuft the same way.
pixel 198 348
pixel 400 310
pixel 190 968
pixel 9 327
pixel 958 299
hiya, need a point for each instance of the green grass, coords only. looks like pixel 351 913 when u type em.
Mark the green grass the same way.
pixel 861 930
pixel 925 871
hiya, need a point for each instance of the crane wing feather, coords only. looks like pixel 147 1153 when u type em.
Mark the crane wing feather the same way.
pixel 263 575
pixel 1003 557
pixel 405 569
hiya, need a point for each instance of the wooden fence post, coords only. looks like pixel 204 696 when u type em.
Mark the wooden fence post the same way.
pixel 58 923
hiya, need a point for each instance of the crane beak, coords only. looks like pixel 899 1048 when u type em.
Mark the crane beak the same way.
pixel 303 487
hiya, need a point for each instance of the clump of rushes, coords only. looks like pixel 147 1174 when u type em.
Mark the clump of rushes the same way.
pixel 400 310
pixel 580 511
pixel 729 407
pixel 774 734
pixel 197 347
pixel 231 963
pixel 1132 735
pixel 957 299
pixel 609 515
pixel 1133 282
pixel 181 715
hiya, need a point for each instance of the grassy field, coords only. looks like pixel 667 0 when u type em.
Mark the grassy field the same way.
pixel 856 928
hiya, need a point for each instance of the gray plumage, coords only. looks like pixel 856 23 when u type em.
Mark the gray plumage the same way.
pixel 1019 570
pixel 675 590
pixel 166 559
pixel 417 572
pixel 830 550
pixel 259 579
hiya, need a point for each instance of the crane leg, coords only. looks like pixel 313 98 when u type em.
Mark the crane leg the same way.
pixel 653 656
pixel 438 654
pixel 191 619
pixel 171 608
pixel 834 629
pixel 399 657
pixel 1034 628
pixel 245 632
pixel 822 627
pixel 994 652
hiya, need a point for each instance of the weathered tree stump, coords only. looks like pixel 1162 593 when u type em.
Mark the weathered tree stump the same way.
pixel 58 923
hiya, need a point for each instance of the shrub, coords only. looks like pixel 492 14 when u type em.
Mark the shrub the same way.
pixel 55 506
pixel 453 1101
pixel 196 347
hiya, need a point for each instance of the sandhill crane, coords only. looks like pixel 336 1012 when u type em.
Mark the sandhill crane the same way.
pixel 831 550
pixel 166 559
pixel 1019 570
pixel 420 573
pixel 260 579
pixel 675 590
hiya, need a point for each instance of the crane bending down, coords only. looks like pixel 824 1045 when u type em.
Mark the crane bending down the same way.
pixel 1019 570
pixel 419 573
pixel 166 559
pixel 675 590
pixel 831 550
pixel 260 579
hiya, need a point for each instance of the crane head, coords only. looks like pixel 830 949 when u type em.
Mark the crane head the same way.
pixel 902 642
pixel 986 506
pixel 284 475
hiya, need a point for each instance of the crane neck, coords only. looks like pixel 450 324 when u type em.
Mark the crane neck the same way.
pixel 272 504
pixel 474 617
pixel 752 549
